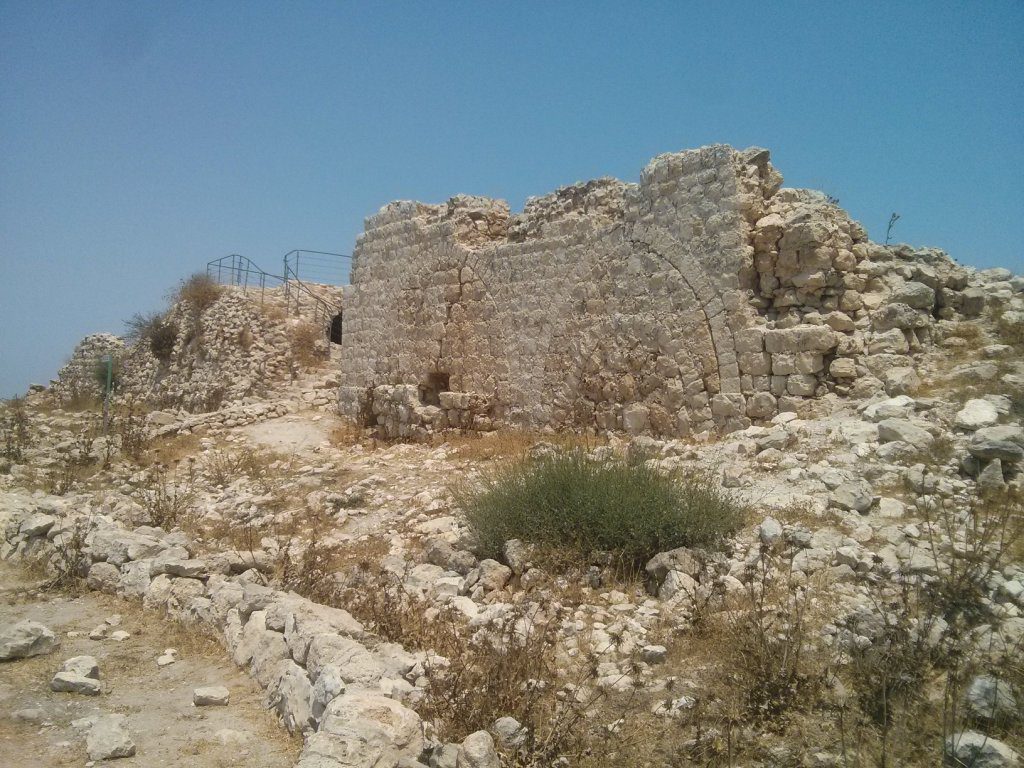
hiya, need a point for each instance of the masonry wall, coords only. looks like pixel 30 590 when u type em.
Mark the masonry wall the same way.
pixel 700 298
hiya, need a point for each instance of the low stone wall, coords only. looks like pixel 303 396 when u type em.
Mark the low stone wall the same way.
pixel 402 411
pixel 325 675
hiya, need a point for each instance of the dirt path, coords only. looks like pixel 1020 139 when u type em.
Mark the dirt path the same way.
pixel 37 727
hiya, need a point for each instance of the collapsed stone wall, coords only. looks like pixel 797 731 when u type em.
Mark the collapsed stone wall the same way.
pixel 82 376
pixel 237 350
pixel 704 297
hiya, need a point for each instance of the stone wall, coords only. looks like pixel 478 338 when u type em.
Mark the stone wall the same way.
pixel 239 350
pixel 82 377
pixel 704 297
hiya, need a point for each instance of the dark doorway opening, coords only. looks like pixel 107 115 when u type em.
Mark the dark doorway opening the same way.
pixel 336 329
pixel 430 391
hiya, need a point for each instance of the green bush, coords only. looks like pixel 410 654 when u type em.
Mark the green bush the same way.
pixel 569 500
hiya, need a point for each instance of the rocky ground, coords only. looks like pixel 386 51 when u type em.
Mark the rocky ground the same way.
pixel 43 727
pixel 868 612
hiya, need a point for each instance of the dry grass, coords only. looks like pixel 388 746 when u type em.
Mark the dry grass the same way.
pixel 969 331
pixel 171 450
pixel 200 291
pixel 346 434
pixel 308 344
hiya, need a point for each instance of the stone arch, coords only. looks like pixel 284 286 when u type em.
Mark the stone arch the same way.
pixel 662 244
pixel 649 345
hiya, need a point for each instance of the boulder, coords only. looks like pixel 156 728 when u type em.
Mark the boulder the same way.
pixel 991 477
pixel 897 316
pixel 118 546
pixel 363 729
pixel 79 674
pixel 104 577
pixel 290 694
pixel 987 449
pixel 855 496
pixel 899 407
pixel 915 295
pixel 26 638
pixel 493 575
pixel 679 559
pixel 989 698
pixel 36 525
pixel 770 532
pixel 900 380
pixel 906 431
pixel 439 552
pixel 676 583
pixel 974 749
pixel 109 739
pixel 477 751
pixel 211 696
pixel 975 414
pixel 518 555
pixel 356 664
pixel 329 684
pixel 304 620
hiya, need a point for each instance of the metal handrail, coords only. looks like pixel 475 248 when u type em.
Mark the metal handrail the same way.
pixel 238 269
pixel 323 310
pixel 323 264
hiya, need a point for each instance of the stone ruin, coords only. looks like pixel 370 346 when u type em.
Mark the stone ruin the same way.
pixel 706 297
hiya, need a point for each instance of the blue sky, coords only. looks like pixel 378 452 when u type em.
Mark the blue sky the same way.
pixel 140 140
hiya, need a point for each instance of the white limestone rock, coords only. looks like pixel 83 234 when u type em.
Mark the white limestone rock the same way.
pixel 975 414
pixel 290 694
pixel 211 696
pixel 478 751
pixel 109 738
pixel 79 674
pixel 362 729
pixel 26 638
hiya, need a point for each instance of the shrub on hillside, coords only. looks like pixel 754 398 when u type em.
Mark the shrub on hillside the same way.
pixel 160 333
pixel 200 291
pixel 569 500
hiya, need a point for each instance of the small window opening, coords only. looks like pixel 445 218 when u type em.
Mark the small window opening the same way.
pixel 336 323
pixel 430 392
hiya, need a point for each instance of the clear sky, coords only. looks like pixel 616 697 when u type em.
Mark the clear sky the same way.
pixel 138 140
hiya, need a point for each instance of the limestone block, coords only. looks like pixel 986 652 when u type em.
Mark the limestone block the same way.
pixel 914 294
pixel 897 315
pixel 367 729
pixel 802 384
pixel 749 340
pixel 635 418
pixel 802 338
pixel 784 363
pixel 891 342
pixel 290 694
pixel 755 363
pixel 761 405
pixel 843 368
pixel 725 406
